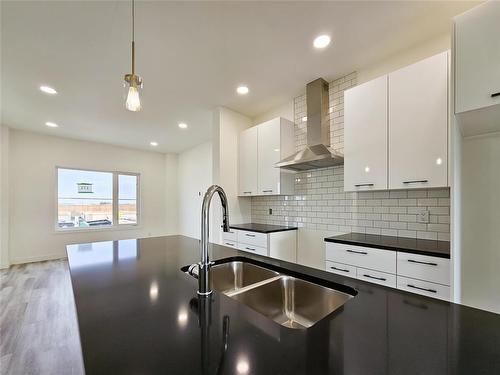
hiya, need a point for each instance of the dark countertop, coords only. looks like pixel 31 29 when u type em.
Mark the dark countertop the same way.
pixel 439 249
pixel 261 228
pixel 135 312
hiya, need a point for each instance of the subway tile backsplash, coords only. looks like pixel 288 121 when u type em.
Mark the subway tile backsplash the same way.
pixel 320 202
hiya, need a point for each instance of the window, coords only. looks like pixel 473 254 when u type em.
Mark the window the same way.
pixel 95 199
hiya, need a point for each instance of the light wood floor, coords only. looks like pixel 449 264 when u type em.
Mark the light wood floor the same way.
pixel 38 326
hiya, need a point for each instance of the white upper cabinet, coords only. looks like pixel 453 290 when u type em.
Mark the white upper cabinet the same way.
pixel 477 69
pixel 261 147
pixel 418 124
pixel 365 136
pixel 269 154
pixel 247 166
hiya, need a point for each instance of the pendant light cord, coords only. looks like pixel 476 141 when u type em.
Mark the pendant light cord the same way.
pixel 133 37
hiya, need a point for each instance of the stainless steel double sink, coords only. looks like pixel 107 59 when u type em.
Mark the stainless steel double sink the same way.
pixel 289 301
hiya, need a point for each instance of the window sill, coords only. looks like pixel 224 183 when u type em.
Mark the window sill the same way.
pixel 113 228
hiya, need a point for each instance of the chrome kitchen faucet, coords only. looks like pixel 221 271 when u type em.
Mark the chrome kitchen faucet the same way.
pixel 204 285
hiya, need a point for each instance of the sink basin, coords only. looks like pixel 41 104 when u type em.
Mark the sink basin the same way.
pixel 234 277
pixel 289 301
pixel 292 302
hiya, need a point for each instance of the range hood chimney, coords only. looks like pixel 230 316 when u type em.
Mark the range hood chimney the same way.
pixel 317 153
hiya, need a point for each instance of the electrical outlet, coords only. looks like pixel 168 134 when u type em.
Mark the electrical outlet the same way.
pixel 270 211
pixel 423 217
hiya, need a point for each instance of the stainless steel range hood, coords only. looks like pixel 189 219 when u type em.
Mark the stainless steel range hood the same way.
pixel 317 153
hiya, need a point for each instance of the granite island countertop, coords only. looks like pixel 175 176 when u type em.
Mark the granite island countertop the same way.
pixel 137 314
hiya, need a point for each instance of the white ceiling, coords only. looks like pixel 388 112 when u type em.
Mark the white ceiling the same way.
pixel 191 55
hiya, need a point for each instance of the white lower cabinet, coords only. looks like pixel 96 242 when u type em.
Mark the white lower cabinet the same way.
pixel 366 257
pixel 424 267
pixel 230 243
pixel 424 287
pixel 341 269
pixel 279 245
pixel 414 273
pixel 252 238
pixel 376 277
pixel 253 249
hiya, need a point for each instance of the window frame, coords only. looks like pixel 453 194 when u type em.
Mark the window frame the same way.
pixel 115 205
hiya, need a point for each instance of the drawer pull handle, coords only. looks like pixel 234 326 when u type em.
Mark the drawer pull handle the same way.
pixel 424 289
pixel 339 269
pixel 229 243
pixel 376 278
pixel 247 192
pixel 419 262
pixel 249 248
pixel 415 181
pixel 249 235
pixel 495 94
pixel 267 191
pixel 357 252
pixel 360 185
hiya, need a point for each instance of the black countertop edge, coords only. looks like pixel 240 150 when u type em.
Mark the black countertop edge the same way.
pixel 261 228
pixel 440 249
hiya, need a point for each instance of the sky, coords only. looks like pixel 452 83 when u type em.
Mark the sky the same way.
pixel 102 184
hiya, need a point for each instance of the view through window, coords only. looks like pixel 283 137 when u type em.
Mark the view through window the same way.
pixel 127 193
pixel 89 198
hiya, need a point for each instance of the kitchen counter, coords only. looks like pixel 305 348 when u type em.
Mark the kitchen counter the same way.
pixel 439 249
pixel 261 228
pixel 138 314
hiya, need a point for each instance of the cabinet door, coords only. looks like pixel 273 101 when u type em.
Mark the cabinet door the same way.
pixel 416 322
pixel 477 57
pixel 365 136
pixel 248 162
pixel 268 155
pixel 418 124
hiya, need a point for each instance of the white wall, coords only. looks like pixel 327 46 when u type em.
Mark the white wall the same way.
pixel 33 159
pixel 195 177
pixel 285 111
pixel 171 193
pixel 480 222
pixel 226 127
pixel 4 196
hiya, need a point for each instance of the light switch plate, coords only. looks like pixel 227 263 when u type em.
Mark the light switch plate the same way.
pixel 423 217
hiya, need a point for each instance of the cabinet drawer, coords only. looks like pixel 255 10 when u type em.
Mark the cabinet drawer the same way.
pixel 341 269
pixel 376 277
pixel 252 238
pixel 424 267
pixel 232 235
pixel 365 257
pixel 253 249
pixel 424 287
pixel 230 243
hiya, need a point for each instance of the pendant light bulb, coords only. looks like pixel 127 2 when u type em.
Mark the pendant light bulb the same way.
pixel 133 100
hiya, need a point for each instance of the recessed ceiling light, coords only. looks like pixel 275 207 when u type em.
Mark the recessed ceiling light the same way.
pixel 48 90
pixel 153 143
pixel 242 90
pixel 321 41
pixel 51 124
pixel 182 125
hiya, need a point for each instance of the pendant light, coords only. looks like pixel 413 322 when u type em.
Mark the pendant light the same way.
pixel 132 81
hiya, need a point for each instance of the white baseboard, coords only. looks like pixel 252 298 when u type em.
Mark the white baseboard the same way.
pixel 39 258
pixel 4 266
